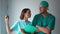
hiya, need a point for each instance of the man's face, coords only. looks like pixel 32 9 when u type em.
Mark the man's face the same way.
pixel 43 9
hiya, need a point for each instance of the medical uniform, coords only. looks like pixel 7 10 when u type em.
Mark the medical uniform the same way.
pixel 20 24
pixel 47 22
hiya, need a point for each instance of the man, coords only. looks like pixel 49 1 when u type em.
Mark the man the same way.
pixel 44 21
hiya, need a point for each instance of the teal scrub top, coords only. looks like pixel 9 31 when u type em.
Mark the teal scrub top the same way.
pixel 47 21
pixel 20 24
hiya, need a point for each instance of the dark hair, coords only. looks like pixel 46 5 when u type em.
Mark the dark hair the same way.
pixel 23 12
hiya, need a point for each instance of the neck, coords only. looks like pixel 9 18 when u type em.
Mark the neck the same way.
pixel 44 14
pixel 25 19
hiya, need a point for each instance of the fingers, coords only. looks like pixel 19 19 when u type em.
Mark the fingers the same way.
pixel 37 26
pixel 7 16
pixel 38 30
pixel 6 19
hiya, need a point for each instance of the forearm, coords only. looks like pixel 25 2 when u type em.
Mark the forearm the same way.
pixel 45 30
pixel 8 28
pixel 7 25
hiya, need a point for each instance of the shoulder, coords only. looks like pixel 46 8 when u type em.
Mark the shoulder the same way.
pixel 18 21
pixel 15 24
pixel 37 15
pixel 52 16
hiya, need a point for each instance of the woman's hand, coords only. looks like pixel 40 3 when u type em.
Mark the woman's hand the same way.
pixel 7 25
pixel 22 31
pixel 6 19
pixel 38 28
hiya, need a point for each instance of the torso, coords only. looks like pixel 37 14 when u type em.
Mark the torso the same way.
pixel 42 21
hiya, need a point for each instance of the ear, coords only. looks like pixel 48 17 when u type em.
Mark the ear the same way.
pixel 39 7
pixel 47 8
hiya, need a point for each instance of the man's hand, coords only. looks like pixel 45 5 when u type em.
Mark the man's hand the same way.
pixel 38 28
pixel 45 30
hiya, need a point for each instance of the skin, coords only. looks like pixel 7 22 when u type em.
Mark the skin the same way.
pixel 43 11
pixel 26 16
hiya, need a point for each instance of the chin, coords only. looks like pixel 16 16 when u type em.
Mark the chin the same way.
pixel 42 12
pixel 29 17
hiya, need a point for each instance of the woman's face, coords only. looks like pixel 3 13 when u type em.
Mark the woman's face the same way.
pixel 28 14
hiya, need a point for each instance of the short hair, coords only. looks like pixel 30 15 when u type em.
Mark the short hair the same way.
pixel 23 12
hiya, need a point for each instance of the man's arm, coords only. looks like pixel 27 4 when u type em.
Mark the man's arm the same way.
pixel 45 30
pixel 49 28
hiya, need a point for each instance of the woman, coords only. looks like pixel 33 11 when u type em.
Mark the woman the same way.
pixel 20 24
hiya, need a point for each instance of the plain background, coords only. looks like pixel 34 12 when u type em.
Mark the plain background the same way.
pixel 14 7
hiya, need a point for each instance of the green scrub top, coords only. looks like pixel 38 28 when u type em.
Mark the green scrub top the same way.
pixel 47 21
pixel 18 25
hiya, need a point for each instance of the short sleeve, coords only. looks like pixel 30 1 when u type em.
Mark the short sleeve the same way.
pixel 51 23
pixel 15 26
pixel 34 20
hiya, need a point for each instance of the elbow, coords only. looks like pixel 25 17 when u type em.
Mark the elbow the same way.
pixel 48 31
pixel 11 30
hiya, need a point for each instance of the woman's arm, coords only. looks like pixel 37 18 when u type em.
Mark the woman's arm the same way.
pixel 8 29
pixel 7 25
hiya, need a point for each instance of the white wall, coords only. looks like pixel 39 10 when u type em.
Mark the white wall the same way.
pixel 15 7
pixel 3 12
pixel 0 17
